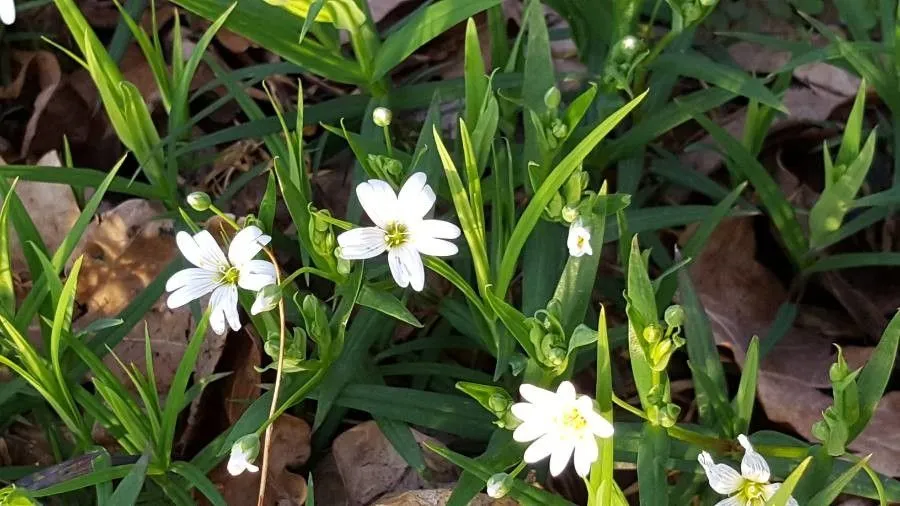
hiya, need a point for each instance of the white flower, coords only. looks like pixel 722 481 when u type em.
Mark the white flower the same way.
pixel 498 485
pixel 750 487
pixel 267 299
pixel 216 274
pixel 579 241
pixel 629 42
pixel 560 424
pixel 400 229
pixel 7 12
pixel 382 116
pixel 243 453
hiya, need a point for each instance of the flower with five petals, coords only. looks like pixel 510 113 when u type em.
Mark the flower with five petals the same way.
pixel 220 275
pixel 561 425
pixel 400 229
pixel 579 240
pixel 750 487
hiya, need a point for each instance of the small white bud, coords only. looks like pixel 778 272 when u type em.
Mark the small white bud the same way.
pixel 382 116
pixel 199 201
pixel 498 485
pixel 267 299
pixel 243 453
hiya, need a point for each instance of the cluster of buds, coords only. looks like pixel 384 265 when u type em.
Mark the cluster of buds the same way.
pixel 565 204
pixel 661 411
pixel 549 338
pixel 324 240
pixel 315 320
pixel 12 496
pixel 622 60
pixel 555 131
pixel 834 430
pixel 494 399
pixel 662 343
pixel 294 353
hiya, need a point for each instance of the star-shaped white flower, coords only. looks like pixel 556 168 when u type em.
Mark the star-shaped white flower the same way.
pixel 220 275
pixel 750 487
pixel 7 12
pixel 560 424
pixel 243 453
pixel 579 241
pixel 400 229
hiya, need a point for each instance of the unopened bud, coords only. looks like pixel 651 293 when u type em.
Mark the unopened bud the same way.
pixel 652 333
pixel 498 485
pixel 674 316
pixel 267 299
pixel 499 403
pixel 556 356
pixel 199 201
pixel 552 97
pixel 559 129
pixel 569 214
pixel 382 116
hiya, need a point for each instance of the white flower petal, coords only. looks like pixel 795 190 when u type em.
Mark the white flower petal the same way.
pixel 723 479
pixel 253 468
pixel 407 268
pixel 537 395
pixel 362 243
pixel 586 453
pixel 540 449
pixel 378 200
pixel 246 244
pixel 202 250
pixel 439 229
pixel 236 464
pixel 579 240
pixel 526 411
pixel 561 455
pixel 416 198
pixel 255 274
pixel 223 304
pixel 566 391
pixel 7 12
pixel 753 465
pixel 531 430
pixel 598 425
pixel 189 276
pixel 731 501
pixel 188 285
pixel 435 247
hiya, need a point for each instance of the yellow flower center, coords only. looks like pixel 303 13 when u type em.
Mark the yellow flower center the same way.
pixel 572 420
pixel 230 276
pixel 752 493
pixel 395 234
pixel 581 241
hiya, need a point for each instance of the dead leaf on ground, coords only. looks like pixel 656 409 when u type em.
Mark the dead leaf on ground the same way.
pixel 45 66
pixel 52 208
pixel 741 297
pixel 125 249
pixel 290 448
pixel 370 467
pixel 438 497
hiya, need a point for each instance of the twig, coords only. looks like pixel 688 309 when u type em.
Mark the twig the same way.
pixel 267 441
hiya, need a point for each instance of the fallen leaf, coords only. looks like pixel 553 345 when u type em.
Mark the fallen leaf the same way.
pixel 438 497
pixel 290 448
pixel 370 467
pixel 741 297
pixel 52 208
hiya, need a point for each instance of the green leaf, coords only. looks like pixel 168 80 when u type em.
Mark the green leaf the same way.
pixel 651 465
pixel 875 374
pixel 828 213
pixel 602 469
pixel 129 488
pixel 422 26
pixel 852 132
pixel 276 30
pixel 783 495
pixel 198 480
pixel 268 204
pixel 539 68
pixel 7 289
pixel 514 321
pixel 386 303
pixel 527 494
pixel 476 82
pixel 832 490
pixel 782 214
pixel 746 394
pixel 691 64
pixel 853 261
pixel 548 188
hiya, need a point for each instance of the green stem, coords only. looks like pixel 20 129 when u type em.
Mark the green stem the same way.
pixel 295 398
pixel 309 270
pixel 387 141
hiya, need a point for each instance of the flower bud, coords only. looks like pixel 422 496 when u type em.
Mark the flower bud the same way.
pixel 674 316
pixel 267 299
pixel 559 129
pixel 382 116
pixel 498 485
pixel 499 403
pixel 569 214
pixel 243 453
pixel 199 201
pixel 557 356
pixel 652 333
pixel 552 97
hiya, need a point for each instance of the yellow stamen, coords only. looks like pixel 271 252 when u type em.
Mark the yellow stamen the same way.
pixel 395 234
